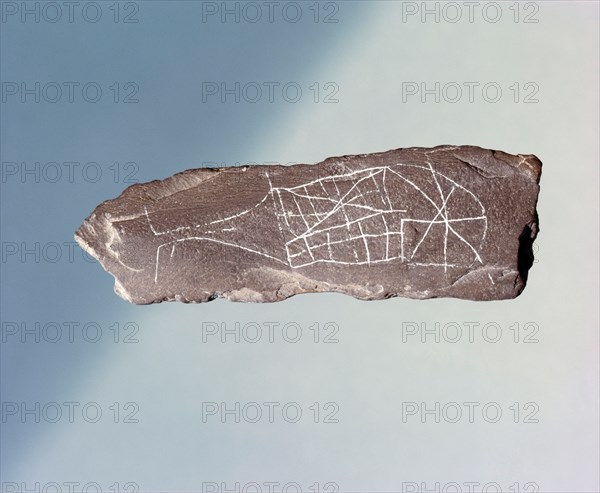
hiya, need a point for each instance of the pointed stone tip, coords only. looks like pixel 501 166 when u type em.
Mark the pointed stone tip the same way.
pixel 80 238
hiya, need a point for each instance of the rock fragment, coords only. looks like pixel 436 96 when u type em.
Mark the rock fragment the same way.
pixel 449 221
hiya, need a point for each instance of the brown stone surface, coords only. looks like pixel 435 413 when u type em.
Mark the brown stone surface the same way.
pixel 450 221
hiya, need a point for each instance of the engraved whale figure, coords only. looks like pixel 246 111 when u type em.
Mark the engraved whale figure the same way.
pixel 364 217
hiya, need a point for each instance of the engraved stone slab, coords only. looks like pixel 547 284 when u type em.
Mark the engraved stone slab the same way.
pixel 420 223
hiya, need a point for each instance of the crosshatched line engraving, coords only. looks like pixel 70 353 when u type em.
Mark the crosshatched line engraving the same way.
pixel 351 219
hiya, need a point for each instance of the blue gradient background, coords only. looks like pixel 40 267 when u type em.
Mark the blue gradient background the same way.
pixel 371 371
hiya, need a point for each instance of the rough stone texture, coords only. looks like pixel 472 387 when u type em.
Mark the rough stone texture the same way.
pixel 442 222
